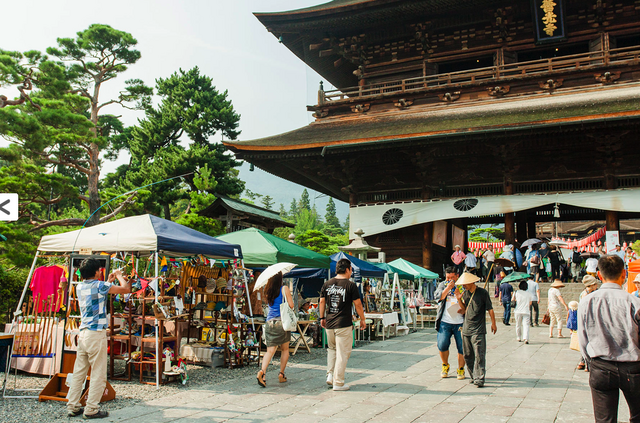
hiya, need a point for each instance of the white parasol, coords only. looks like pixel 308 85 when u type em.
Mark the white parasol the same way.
pixel 530 241
pixel 272 270
pixel 559 243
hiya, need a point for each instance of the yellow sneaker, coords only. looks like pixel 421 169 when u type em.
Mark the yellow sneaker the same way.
pixel 445 370
pixel 461 373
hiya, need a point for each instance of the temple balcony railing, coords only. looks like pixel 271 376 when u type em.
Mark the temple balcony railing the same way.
pixel 489 75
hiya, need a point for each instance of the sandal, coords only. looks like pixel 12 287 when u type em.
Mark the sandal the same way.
pixel 282 378
pixel 581 366
pixel 261 379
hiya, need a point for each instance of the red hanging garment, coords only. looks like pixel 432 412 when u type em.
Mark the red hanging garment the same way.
pixel 45 282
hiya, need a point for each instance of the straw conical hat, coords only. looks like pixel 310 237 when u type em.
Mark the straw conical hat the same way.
pixel 557 284
pixel 467 278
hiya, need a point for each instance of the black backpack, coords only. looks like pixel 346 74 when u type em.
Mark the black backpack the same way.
pixel 576 258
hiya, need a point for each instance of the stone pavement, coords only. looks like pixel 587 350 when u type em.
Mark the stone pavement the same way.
pixel 399 380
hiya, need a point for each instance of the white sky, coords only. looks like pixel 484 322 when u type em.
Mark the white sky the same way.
pixel 268 85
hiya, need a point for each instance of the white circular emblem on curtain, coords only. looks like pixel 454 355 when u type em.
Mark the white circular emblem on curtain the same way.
pixel 392 216
pixel 465 204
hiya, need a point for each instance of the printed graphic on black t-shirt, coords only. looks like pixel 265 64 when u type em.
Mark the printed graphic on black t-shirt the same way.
pixel 339 295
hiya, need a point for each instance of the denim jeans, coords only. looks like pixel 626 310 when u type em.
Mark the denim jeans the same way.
pixel 444 336
pixel 507 311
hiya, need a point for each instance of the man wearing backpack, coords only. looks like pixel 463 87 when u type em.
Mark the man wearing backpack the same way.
pixel 576 260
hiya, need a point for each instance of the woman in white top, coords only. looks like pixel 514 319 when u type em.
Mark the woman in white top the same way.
pixel 557 307
pixel 523 315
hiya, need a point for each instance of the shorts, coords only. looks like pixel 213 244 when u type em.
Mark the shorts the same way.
pixel 444 336
pixel 274 334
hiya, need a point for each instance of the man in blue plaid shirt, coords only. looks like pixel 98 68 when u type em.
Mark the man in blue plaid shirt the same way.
pixel 92 342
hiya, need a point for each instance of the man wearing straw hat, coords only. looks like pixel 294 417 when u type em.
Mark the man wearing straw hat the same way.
pixel 475 302
pixel 609 336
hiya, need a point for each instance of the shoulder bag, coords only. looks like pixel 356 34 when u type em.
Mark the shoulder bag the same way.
pixel 546 319
pixel 288 316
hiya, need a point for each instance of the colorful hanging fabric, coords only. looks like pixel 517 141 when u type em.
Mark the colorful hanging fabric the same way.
pixel 163 264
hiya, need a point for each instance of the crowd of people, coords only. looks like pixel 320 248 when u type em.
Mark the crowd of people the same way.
pixel 606 321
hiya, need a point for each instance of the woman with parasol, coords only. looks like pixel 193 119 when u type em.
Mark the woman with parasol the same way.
pixel 275 335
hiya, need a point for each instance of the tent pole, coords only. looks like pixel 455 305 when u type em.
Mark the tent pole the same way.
pixel 246 286
pixel 393 289
pixel 26 285
pixel 158 352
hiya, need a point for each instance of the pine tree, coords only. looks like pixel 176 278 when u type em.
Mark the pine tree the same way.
pixel 330 217
pixel 293 210
pixel 267 202
pixel 305 202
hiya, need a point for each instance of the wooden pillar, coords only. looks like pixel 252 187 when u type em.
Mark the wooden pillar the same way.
pixel 427 236
pixel 509 218
pixel 611 217
pixel 229 225
pixel 521 227
pixel 427 244
pixel 531 228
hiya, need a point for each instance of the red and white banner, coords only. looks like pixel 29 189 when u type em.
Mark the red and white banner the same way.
pixel 587 243
pixel 497 246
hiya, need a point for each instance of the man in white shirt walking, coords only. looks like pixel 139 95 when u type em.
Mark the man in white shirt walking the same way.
pixel 534 292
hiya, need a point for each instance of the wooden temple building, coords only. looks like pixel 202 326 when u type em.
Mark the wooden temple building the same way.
pixel 450 113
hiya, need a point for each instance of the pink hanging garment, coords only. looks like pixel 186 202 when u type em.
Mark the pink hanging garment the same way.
pixel 45 282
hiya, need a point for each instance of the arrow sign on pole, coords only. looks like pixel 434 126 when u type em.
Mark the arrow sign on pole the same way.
pixel 8 207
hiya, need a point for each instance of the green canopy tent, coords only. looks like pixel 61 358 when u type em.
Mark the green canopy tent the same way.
pixel 391 269
pixel 416 271
pixel 260 249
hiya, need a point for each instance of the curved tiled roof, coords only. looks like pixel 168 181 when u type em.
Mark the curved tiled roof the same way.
pixel 424 122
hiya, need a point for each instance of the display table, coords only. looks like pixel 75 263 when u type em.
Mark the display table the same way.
pixel 200 353
pixel 428 313
pixel 386 320
pixel 303 326
pixel 39 365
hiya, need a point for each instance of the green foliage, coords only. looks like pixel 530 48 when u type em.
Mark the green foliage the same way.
pixel 293 210
pixel 283 233
pixel 320 243
pixel 11 284
pixel 192 110
pixel 267 202
pixel 636 246
pixel 491 233
pixel 60 134
pixel 305 202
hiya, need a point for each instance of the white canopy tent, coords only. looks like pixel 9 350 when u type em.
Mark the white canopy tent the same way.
pixel 144 235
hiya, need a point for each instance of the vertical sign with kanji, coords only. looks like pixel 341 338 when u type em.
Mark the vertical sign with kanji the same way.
pixel 548 20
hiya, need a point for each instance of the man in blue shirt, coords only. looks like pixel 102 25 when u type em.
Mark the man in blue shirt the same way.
pixel 505 296
pixel 92 342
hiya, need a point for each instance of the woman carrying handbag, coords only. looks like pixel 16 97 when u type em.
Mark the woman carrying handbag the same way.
pixel 275 334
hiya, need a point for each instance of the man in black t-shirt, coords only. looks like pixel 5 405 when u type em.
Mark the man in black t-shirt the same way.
pixel 475 302
pixel 337 297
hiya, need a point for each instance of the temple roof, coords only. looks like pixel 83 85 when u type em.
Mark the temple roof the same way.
pixel 433 122
pixel 223 204
pixel 381 20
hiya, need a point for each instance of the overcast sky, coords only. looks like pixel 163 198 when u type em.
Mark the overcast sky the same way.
pixel 268 85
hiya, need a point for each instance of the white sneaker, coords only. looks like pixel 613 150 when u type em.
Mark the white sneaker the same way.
pixel 344 387
pixel 330 379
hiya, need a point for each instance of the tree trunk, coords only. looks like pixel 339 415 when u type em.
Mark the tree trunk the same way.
pixel 93 179
pixel 167 211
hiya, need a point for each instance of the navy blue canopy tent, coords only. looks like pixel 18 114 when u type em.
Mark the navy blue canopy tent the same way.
pixel 361 268
pixel 143 234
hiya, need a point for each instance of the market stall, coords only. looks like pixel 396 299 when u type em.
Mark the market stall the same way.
pixel 147 247
pixel 261 249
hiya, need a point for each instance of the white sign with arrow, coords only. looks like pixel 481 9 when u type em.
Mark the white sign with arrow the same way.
pixel 8 207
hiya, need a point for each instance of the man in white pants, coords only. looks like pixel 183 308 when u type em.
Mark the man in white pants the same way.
pixel 337 297
pixel 92 342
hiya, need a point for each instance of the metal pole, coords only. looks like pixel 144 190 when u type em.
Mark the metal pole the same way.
pixel 26 285
pixel 158 352
pixel 246 286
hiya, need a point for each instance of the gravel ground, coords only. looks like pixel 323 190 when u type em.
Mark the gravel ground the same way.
pixel 127 393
